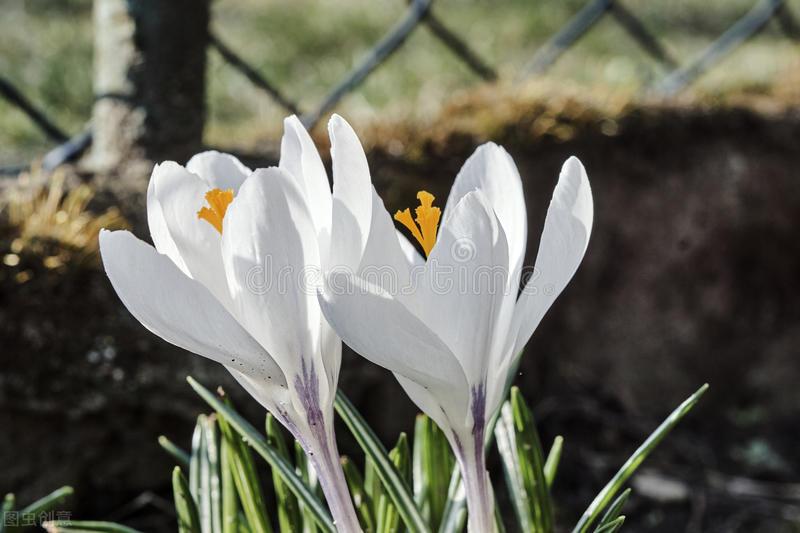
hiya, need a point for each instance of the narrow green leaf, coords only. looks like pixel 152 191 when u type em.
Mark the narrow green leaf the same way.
pixel 246 481
pixel 203 497
pixel 531 462
pixel 289 519
pixel 455 512
pixel 49 502
pixel 507 446
pixel 8 506
pixel 230 499
pixel 259 443
pixel 388 517
pixel 433 463
pixel 552 461
pixel 309 477
pixel 611 527
pixel 610 490
pixel 615 509
pixel 171 448
pixel 400 456
pixel 393 483
pixel 361 500
pixel 372 482
pixel 194 459
pixel 185 506
pixel 73 526
pixel 212 480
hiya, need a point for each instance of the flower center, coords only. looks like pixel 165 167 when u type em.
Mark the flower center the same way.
pixel 427 221
pixel 218 201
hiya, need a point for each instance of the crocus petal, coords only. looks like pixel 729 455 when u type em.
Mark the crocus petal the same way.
pixel 564 240
pixel 447 410
pixel 413 257
pixel 382 330
pixel 301 159
pixel 492 170
pixel 180 310
pixel 218 170
pixel 159 231
pixel 384 263
pixel 271 258
pixel 181 194
pixel 352 196
pixel 276 400
pixel 466 283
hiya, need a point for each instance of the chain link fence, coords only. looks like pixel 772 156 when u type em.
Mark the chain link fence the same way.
pixel 679 74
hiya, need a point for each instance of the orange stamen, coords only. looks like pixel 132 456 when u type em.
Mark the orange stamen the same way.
pixel 218 201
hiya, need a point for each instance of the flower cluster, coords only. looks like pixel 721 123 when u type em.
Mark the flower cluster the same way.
pixel 452 336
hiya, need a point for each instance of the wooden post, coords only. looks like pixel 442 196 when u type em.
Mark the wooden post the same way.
pixel 149 82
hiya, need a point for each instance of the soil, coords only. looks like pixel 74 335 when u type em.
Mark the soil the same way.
pixel 691 276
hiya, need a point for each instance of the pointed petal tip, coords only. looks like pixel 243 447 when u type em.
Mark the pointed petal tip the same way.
pixel 337 125
pixel 291 122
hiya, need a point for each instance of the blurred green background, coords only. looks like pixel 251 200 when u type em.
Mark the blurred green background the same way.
pixel 306 46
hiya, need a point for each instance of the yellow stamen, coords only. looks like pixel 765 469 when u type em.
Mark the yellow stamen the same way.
pixel 427 221
pixel 218 201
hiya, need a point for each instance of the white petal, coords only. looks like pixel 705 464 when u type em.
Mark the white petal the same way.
pixel 385 262
pixel 276 400
pixel 466 283
pixel 218 170
pixel 352 196
pixel 159 231
pixel 301 159
pixel 564 240
pixel 492 170
pixel 271 258
pixel 383 331
pixel 413 257
pixel 181 195
pixel 180 310
pixel 448 411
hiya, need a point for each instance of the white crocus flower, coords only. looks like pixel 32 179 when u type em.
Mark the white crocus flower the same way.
pixel 234 273
pixel 451 327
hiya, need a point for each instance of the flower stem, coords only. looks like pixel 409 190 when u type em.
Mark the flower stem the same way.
pixel 480 502
pixel 324 456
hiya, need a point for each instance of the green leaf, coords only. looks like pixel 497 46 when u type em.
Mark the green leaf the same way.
pixel 8 506
pixel 47 503
pixel 610 490
pixel 393 483
pixel 309 477
pixel 230 500
pixel 506 445
pixel 611 527
pixel 185 507
pixel 615 509
pixel 211 477
pixel 455 512
pixel 259 443
pixel 552 461
pixel 246 481
pixel 361 500
pixel 289 519
pixel 433 463
pixel 531 461
pixel 388 518
pixel 194 459
pixel 75 526
pixel 171 448
pixel 372 483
